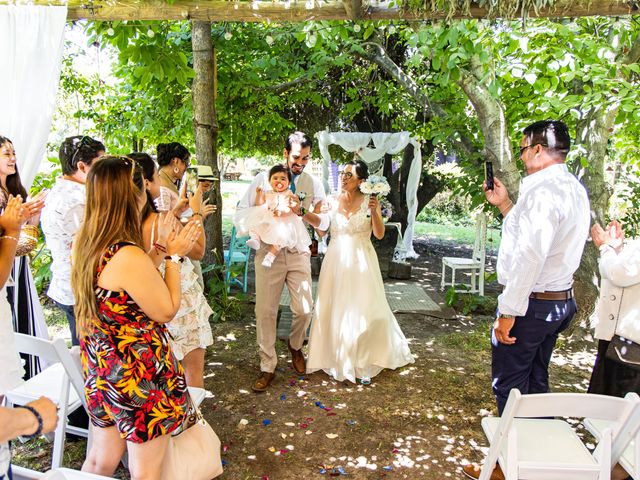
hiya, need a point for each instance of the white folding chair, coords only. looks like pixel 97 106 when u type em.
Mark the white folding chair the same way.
pixel 475 265
pixel 626 447
pixel 61 382
pixel 533 448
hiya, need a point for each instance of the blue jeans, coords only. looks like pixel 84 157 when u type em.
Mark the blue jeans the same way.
pixel 525 364
pixel 71 320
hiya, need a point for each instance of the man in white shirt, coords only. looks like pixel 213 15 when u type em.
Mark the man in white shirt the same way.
pixel 290 266
pixel 543 236
pixel 62 216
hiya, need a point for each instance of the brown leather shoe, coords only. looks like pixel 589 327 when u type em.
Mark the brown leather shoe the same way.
pixel 297 359
pixel 263 381
pixel 473 471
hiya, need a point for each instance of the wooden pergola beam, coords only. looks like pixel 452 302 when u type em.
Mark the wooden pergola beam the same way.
pixel 304 10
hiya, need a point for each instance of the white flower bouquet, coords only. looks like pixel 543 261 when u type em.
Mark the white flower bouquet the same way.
pixel 375 185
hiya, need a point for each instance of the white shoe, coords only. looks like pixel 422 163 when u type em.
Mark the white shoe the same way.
pixel 254 243
pixel 268 260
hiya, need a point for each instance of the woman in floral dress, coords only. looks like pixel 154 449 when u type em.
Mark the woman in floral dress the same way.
pixel 135 388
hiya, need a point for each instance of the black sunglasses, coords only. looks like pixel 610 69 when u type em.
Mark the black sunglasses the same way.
pixel 522 149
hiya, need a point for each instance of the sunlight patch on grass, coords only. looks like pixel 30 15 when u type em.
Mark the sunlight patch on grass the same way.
pixel 478 339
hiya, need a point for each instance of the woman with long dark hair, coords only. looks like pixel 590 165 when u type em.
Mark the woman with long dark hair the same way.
pixel 22 295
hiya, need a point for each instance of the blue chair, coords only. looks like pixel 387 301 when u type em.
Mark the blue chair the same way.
pixel 239 252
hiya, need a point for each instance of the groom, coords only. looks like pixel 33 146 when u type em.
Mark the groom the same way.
pixel 290 266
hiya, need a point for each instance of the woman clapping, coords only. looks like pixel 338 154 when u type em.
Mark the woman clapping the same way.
pixel 135 387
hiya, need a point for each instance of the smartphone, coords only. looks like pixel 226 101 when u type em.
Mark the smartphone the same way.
pixel 191 179
pixel 488 174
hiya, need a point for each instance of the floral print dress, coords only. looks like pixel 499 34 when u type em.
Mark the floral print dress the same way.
pixel 132 379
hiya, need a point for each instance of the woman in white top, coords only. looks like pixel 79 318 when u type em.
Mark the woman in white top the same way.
pixel 618 309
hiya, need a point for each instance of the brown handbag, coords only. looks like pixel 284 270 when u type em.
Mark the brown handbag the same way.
pixel 193 454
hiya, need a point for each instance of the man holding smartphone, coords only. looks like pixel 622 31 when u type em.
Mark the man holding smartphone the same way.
pixel 543 236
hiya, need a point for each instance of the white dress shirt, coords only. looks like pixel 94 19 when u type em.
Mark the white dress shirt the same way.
pixel 262 180
pixel 61 218
pixel 543 237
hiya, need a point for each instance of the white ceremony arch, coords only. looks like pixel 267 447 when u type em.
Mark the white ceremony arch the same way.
pixel 383 144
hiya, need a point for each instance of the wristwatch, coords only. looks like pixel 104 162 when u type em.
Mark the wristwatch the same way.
pixel 503 315
pixel 175 258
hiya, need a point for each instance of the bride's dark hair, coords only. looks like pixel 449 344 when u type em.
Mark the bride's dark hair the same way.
pixel 362 171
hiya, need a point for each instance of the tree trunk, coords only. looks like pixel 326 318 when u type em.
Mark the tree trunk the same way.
pixel 205 125
pixel 497 145
pixel 593 131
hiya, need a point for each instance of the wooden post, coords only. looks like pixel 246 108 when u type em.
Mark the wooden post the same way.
pixel 205 126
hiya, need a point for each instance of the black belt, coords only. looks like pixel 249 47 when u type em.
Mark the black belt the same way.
pixel 563 295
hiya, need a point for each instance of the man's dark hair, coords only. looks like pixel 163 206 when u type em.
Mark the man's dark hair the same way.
pixel 297 138
pixel 80 148
pixel 169 151
pixel 280 168
pixel 552 134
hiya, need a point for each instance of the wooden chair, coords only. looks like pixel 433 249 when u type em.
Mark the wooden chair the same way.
pixel 239 253
pixel 531 447
pixel 61 382
pixel 474 265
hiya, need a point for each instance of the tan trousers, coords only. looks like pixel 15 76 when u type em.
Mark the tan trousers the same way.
pixel 291 268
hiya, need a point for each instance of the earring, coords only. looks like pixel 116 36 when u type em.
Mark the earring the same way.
pixel 176 170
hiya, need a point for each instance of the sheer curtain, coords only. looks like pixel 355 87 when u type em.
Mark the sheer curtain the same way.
pixel 31 42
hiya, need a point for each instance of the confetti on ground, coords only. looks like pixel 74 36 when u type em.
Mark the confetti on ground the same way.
pixel 290 424
pixel 266 422
pixel 331 435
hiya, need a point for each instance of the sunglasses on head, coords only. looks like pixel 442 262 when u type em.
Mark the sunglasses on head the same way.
pixel 76 148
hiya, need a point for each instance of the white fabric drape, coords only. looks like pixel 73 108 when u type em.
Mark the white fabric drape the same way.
pixel 31 42
pixel 383 144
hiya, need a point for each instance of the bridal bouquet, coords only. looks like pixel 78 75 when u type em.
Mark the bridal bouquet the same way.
pixel 375 185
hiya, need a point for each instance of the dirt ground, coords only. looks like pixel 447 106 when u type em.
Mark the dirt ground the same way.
pixel 421 421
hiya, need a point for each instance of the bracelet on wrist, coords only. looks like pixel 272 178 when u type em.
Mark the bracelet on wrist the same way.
pixel 38 432
pixel 197 213
pixel 160 248
pixel 9 237
pixel 303 211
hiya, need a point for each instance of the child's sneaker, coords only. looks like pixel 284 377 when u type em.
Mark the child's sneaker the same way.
pixel 268 260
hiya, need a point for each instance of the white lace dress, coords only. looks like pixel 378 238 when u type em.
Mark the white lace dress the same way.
pixel 190 328
pixel 354 334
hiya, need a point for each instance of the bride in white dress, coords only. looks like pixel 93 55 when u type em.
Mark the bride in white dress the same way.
pixel 354 334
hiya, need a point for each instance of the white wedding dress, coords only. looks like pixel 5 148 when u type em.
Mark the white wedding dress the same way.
pixel 354 334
